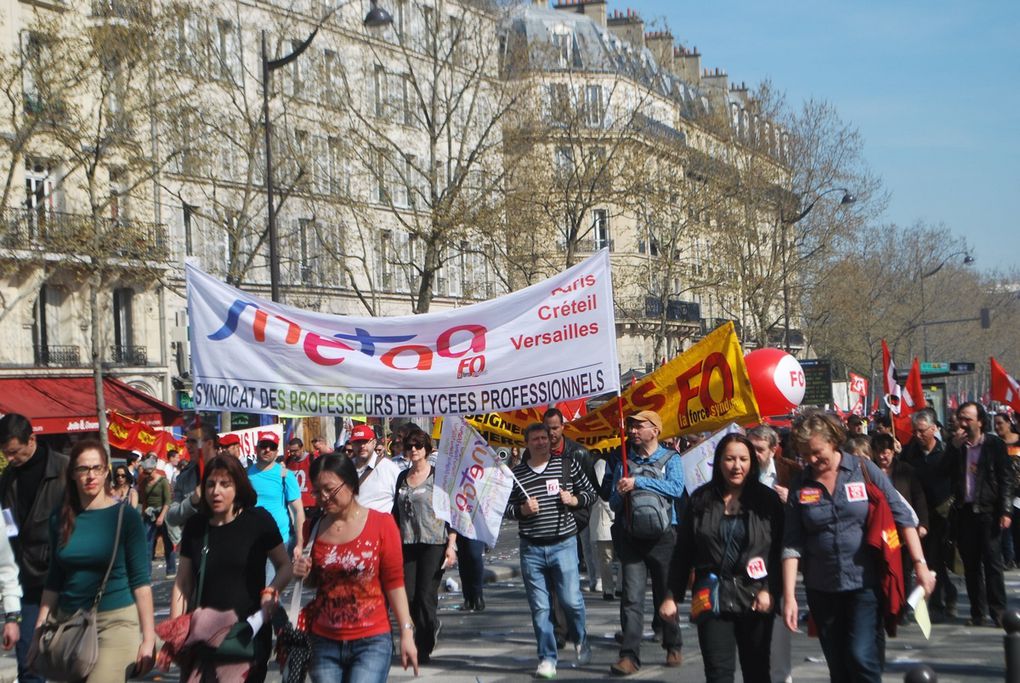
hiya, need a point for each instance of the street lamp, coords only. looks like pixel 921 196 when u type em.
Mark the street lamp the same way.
pixel 848 198
pixel 967 260
pixel 376 18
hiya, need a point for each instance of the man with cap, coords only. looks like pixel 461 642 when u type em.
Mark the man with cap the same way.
pixel 278 491
pixel 655 477
pixel 230 444
pixel 201 444
pixel 377 474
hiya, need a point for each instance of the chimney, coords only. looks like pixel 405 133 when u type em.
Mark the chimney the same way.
pixel 593 9
pixel 687 64
pixel 661 45
pixel 628 27
pixel 715 83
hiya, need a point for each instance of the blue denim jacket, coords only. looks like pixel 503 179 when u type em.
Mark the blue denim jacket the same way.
pixel 827 532
pixel 671 485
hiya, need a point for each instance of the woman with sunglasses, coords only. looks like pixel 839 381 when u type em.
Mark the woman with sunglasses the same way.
pixel 430 545
pixel 357 567
pixel 82 533
pixel 122 489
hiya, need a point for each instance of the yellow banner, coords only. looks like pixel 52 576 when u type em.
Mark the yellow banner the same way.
pixel 701 390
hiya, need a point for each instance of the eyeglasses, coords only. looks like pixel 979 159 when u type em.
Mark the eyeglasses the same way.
pixel 120 475
pixel 325 497
pixel 414 446
pixel 84 470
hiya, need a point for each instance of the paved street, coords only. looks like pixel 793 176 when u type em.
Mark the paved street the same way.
pixel 498 644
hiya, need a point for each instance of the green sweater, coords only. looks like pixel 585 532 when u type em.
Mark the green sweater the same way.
pixel 77 568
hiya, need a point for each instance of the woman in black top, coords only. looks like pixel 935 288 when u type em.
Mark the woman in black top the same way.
pixel 240 538
pixel 733 530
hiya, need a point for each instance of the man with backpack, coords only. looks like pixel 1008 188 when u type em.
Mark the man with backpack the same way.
pixel 645 531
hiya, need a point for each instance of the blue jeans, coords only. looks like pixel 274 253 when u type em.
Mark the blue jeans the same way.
pixel 848 625
pixel 154 533
pixel 365 660
pixel 29 613
pixel 553 565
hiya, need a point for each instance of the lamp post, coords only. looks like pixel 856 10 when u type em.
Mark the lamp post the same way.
pixel 376 17
pixel 967 260
pixel 848 198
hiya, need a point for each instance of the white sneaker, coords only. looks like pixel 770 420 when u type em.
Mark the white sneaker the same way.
pixel 583 653
pixel 597 586
pixel 546 669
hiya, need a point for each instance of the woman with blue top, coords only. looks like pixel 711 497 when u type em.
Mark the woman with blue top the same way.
pixel 826 517
pixel 82 537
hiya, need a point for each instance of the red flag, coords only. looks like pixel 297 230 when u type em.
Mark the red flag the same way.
pixel 573 409
pixel 913 400
pixel 1005 389
pixel 954 402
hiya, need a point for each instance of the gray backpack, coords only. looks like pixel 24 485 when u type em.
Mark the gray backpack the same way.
pixel 651 513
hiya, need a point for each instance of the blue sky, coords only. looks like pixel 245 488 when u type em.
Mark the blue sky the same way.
pixel 933 86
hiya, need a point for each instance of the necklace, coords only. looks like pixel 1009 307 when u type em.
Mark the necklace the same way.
pixel 338 521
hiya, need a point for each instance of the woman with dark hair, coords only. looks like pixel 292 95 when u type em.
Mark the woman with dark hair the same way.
pixel 83 534
pixel 357 567
pixel 731 537
pixel 122 489
pixel 224 550
pixel 1005 429
pixel 430 545
pixel 824 536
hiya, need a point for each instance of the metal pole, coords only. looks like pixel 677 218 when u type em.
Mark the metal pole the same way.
pixel 924 323
pixel 786 294
pixel 1011 643
pixel 274 255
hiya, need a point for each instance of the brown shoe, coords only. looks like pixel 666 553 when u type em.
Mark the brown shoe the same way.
pixel 625 667
pixel 674 658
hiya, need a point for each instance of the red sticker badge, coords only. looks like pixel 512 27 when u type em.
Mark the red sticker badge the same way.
pixel 756 568
pixel 856 492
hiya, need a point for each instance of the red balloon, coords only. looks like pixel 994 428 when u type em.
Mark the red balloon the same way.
pixel 777 380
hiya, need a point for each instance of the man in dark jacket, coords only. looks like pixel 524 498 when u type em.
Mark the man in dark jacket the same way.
pixel 933 467
pixel 31 488
pixel 984 490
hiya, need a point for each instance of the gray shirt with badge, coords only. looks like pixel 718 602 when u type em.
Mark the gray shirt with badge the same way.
pixel 415 515
pixel 827 531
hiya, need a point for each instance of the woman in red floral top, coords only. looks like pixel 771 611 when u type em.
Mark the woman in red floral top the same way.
pixel 357 565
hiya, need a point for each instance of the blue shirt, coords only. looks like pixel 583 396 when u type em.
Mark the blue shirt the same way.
pixel 275 491
pixel 671 485
pixel 827 531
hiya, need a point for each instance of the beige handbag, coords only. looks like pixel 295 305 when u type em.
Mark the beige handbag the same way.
pixel 68 649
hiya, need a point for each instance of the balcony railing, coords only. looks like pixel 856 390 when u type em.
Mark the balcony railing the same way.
pixel 120 9
pixel 777 337
pixel 57 356
pixel 67 233
pixel 129 355
pixel 591 245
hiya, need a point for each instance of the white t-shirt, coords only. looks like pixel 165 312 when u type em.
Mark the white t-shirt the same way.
pixel 379 489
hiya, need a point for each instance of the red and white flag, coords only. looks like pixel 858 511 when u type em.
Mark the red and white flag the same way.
pixel 912 401
pixel 890 388
pixel 858 393
pixel 1005 388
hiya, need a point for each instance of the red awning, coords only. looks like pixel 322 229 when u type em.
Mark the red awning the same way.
pixel 60 405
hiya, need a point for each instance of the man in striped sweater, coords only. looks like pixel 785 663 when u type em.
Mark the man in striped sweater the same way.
pixel 541 502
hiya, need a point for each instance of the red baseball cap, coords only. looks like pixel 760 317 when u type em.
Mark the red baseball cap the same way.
pixel 268 436
pixel 362 433
pixel 229 440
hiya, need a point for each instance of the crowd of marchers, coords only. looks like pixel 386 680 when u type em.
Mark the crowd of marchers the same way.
pixel 860 519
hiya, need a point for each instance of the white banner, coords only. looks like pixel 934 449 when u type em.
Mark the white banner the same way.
pixel 697 461
pixel 553 341
pixel 472 484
